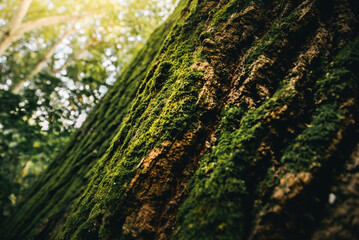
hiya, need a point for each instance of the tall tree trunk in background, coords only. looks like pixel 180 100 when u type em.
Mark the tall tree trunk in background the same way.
pixel 244 126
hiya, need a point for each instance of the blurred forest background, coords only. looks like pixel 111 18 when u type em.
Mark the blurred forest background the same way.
pixel 57 59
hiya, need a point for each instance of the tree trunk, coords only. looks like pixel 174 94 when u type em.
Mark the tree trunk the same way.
pixel 245 126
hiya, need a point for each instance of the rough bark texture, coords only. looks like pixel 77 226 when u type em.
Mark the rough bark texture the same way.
pixel 245 127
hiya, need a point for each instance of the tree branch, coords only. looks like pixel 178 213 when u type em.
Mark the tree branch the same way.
pixel 45 22
pixel 16 89
pixel 19 16
pixel 32 25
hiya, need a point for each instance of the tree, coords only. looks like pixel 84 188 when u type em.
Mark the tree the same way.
pixel 40 107
pixel 242 124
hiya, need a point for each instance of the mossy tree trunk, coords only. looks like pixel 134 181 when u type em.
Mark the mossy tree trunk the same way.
pixel 243 124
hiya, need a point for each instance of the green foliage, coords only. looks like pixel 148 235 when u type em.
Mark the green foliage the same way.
pixel 25 148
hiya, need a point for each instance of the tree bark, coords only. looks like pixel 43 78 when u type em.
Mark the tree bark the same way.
pixel 244 126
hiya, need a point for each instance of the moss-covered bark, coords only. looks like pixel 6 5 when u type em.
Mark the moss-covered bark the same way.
pixel 242 127
pixel 50 200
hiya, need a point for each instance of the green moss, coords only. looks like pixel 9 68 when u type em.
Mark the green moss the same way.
pixel 165 107
pixel 310 147
pixel 69 173
pixel 216 205
pixel 340 76
pixel 273 39
pixel 339 83
pixel 156 101
pixel 233 6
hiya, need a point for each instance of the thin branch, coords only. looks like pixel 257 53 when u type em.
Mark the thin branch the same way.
pixel 19 16
pixel 45 22
pixel 7 32
pixel 16 89
pixel 17 33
